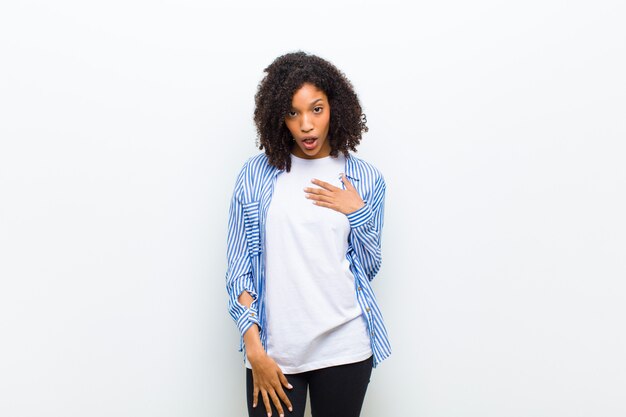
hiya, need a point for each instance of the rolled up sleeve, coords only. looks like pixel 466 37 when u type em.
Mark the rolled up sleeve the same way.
pixel 239 271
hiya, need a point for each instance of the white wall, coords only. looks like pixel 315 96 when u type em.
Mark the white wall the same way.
pixel 499 127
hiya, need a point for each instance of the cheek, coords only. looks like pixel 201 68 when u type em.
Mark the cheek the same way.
pixel 327 122
pixel 290 125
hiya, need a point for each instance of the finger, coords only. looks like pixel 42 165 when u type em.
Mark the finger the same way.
pixel 317 191
pixel 326 199
pixel 255 395
pixel 284 398
pixel 266 401
pixel 324 204
pixel 277 404
pixel 346 182
pixel 324 184
pixel 282 394
pixel 283 380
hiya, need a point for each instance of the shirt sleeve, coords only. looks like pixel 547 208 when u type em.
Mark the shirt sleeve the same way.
pixel 239 272
pixel 366 226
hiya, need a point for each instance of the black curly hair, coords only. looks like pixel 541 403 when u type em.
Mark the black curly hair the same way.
pixel 284 77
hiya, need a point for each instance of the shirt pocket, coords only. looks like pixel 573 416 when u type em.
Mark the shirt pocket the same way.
pixel 252 226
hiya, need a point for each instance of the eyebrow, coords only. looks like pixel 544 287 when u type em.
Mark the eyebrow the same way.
pixel 313 102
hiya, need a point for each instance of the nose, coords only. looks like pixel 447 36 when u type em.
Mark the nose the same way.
pixel 305 124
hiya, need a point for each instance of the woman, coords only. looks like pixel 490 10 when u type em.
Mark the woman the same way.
pixel 303 245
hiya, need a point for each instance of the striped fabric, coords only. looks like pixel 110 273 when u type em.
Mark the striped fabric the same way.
pixel 246 229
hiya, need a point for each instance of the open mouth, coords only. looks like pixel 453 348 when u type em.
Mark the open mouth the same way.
pixel 309 143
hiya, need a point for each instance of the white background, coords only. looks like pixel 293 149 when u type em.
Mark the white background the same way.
pixel 500 129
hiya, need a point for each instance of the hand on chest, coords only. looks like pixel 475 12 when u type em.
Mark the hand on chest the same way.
pixel 289 204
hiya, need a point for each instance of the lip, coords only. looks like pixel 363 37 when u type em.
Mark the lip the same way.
pixel 309 142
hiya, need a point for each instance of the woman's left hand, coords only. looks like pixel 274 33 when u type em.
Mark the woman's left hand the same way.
pixel 344 201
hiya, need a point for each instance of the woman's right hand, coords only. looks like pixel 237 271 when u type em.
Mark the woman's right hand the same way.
pixel 269 381
pixel 266 375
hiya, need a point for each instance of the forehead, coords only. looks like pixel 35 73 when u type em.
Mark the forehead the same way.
pixel 307 94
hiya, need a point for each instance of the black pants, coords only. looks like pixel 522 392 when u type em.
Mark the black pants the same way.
pixel 337 391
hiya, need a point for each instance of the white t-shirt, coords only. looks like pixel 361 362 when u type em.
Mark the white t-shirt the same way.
pixel 313 318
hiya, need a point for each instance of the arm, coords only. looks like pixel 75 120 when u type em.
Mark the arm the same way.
pixel 239 272
pixel 366 226
pixel 243 308
pixel 267 377
pixel 366 218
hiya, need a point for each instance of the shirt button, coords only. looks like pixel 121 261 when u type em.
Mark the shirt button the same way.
pixel 367 309
pixel 251 314
pixel 359 288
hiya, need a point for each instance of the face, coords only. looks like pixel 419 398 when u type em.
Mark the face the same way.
pixel 308 121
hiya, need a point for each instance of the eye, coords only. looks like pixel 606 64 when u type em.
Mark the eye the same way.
pixel 317 109
pixel 291 113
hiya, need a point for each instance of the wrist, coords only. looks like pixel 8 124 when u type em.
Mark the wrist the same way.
pixel 255 353
pixel 353 208
pixel 357 207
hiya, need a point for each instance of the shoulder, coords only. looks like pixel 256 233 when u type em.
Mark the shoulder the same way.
pixel 255 173
pixel 364 170
pixel 257 162
pixel 256 166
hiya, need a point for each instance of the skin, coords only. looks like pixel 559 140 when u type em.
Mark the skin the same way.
pixel 309 117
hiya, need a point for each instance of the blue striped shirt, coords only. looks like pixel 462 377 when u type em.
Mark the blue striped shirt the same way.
pixel 246 229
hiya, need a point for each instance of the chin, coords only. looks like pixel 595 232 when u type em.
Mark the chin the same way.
pixel 312 152
pixel 317 152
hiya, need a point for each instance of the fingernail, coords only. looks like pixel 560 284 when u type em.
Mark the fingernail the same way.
pixel 253 405
pixel 289 386
pixel 290 409
pixel 282 415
